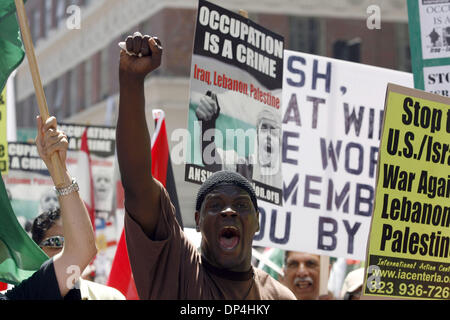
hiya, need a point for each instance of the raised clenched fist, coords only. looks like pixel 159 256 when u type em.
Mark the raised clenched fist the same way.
pixel 208 108
pixel 142 55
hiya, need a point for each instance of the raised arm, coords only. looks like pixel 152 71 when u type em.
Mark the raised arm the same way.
pixel 142 194
pixel 207 112
pixel 79 240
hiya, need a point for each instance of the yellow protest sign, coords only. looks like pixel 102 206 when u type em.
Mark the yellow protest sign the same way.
pixel 409 245
pixel 3 140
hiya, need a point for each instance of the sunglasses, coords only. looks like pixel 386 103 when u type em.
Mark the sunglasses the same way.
pixel 56 242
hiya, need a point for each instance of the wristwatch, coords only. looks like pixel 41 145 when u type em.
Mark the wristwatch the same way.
pixel 73 187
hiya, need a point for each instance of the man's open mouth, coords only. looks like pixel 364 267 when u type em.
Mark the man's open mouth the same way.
pixel 269 146
pixel 229 237
pixel 303 283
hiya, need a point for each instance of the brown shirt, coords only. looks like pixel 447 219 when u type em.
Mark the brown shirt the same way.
pixel 170 267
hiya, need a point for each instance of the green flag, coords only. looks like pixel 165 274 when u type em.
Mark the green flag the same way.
pixel 11 47
pixel 20 257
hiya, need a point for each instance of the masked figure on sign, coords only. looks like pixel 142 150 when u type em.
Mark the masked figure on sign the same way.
pixel 103 189
pixel 269 146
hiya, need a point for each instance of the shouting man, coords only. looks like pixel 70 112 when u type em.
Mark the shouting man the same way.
pixel 165 264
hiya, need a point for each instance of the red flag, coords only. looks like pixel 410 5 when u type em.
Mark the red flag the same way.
pixel 85 178
pixel 160 148
pixel 121 276
pixel 3 286
pixel 161 164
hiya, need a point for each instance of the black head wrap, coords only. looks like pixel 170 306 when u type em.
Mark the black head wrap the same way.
pixel 225 178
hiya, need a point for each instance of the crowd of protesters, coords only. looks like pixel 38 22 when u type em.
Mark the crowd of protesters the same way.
pixel 165 264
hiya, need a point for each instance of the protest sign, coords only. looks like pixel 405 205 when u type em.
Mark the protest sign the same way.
pixel 102 147
pixel 409 245
pixel 332 115
pixel 30 186
pixel 429 30
pixel 3 135
pixel 234 116
pixel 28 183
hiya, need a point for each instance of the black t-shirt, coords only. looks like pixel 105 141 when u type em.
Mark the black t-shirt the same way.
pixel 42 285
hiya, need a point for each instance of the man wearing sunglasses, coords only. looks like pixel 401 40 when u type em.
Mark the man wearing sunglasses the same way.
pixel 48 233
pixel 56 277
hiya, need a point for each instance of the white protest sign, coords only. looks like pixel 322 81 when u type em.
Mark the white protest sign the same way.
pixel 332 116
pixel 435 28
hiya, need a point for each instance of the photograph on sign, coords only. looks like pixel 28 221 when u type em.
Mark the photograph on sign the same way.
pixel 31 191
pixel 235 101
pixel 429 38
pixel 435 28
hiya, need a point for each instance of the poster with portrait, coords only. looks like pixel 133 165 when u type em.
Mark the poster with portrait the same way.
pixel 28 183
pixel 31 188
pixel 435 28
pixel 234 116
pixel 102 148
pixel 429 30
pixel 101 142
pixel 332 116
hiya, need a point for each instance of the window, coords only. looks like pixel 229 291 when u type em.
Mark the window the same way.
pixel 73 91
pixel 75 2
pixel 58 97
pixel 48 16
pixel 402 47
pixel 305 35
pixel 49 91
pixel 31 110
pixel 20 107
pixel 349 50
pixel 36 29
pixel 104 74
pixel 88 74
pixel 60 12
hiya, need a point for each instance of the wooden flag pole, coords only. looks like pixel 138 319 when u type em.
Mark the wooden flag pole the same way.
pixel 243 13
pixel 40 95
